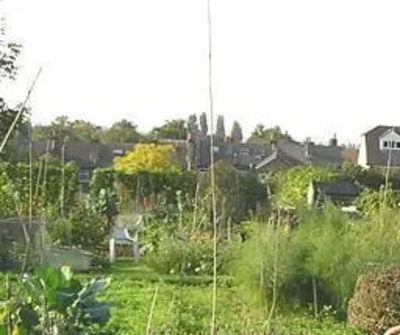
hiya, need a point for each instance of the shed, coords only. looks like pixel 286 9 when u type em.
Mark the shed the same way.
pixel 14 236
pixel 339 192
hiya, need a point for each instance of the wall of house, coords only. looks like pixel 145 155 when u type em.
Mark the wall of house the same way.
pixel 362 155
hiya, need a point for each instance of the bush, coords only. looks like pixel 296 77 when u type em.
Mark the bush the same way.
pixel 192 256
pixel 319 261
pixel 375 306
pixel 266 263
pixel 82 228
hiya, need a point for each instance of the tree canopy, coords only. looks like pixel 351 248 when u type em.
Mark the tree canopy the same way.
pixel 9 52
pixel 171 129
pixel 122 131
pixel 237 133
pixel 268 135
pixel 220 133
pixel 150 158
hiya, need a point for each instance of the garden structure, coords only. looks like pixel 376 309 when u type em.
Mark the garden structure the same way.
pixel 125 236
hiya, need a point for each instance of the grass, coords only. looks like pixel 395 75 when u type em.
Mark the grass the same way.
pixel 185 307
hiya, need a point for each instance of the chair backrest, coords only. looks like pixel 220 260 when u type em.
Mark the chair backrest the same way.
pixel 120 233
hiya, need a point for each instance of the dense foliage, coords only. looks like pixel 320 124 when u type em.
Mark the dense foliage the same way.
pixel 49 184
pixel 149 158
pixel 54 302
pixel 292 185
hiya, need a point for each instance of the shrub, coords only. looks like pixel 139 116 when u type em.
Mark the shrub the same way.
pixel 54 302
pixel 187 256
pixel 375 306
pixel 319 261
pixel 82 228
pixel 266 263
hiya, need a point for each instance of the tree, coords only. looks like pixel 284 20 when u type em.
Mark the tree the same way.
pixel 292 185
pixel 7 117
pixel 268 135
pixel 220 128
pixel 122 131
pixel 150 158
pixel 203 124
pixel 193 127
pixel 237 133
pixel 9 52
pixel 173 130
pixel 85 131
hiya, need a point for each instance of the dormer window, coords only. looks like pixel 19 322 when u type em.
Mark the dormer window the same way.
pixel 390 141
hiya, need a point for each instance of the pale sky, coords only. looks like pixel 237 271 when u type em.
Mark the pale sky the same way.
pixel 313 67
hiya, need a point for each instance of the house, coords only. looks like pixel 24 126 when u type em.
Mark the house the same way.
pixel 340 192
pixel 87 156
pixel 289 153
pixel 380 147
pixel 243 156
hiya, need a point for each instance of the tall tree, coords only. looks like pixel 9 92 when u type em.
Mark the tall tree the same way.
pixel 9 52
pixel 7 117
pixel 85 131
pixel 237 133
pixel 220 128
pixel 192 125
pixel 122 131
pixel 203 124
pixel 172 129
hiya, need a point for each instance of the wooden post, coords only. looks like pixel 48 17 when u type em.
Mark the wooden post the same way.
pixel 112 250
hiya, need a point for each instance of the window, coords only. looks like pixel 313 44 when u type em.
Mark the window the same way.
pixel 390 140
pixel 390 145
pixel 84 176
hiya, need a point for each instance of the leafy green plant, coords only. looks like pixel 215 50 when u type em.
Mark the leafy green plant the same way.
pixel 292 185
pixel 54 302
pixel 82 228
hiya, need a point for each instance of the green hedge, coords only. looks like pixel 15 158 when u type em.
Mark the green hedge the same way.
pixel 46 187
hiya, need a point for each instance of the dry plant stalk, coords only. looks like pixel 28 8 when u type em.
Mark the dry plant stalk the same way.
pixel 212 170
pixel 150 318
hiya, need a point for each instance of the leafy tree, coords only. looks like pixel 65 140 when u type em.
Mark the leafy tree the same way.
pixel 268 135
pixel 203 124
pixel 220 128
pixel 292 185
pixel 7 117
pixel 122 131
pixel 9 52
pixel 237 133
pixel 150 158
pixel 173 130
pixel 85 131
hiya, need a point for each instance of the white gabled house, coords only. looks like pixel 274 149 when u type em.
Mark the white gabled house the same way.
pixel 380 147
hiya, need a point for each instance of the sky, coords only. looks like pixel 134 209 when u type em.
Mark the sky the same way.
pixel 313 67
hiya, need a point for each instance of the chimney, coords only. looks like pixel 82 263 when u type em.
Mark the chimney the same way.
pixel 308 148
pixel 333 142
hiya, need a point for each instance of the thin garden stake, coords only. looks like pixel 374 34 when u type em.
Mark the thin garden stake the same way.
pixel 212 171
pixel 153 304
pixel 387 174
pixel 18 116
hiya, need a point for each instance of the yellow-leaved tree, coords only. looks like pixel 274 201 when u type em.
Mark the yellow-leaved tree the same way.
pixel 150 158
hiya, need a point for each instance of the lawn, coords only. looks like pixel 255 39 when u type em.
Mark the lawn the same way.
pixel 145 301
